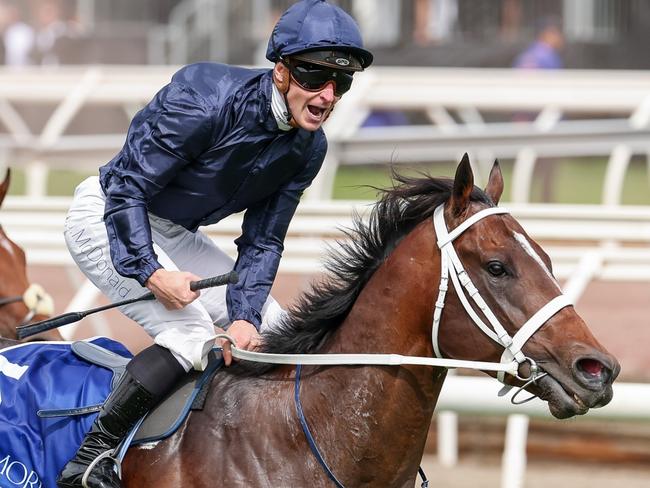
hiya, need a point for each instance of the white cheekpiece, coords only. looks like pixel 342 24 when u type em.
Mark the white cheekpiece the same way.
pixel 188 333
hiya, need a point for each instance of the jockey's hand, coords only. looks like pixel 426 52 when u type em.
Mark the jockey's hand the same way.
pixel 172 288
pixel 245 336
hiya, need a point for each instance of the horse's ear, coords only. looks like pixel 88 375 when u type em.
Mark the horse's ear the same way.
pixel 494 187
pixel 5 186
pixel 463 186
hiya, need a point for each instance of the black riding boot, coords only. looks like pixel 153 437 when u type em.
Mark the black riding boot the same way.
pixel 123 408
pixel 149 377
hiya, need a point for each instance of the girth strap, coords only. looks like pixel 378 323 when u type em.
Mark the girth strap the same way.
pixel 305 429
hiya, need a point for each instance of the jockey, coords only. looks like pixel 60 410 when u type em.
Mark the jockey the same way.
pixel 215 141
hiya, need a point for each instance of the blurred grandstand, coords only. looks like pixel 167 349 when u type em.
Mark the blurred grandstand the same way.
pixel 600 34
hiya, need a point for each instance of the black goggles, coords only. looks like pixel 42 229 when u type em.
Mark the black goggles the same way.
pixel 313 77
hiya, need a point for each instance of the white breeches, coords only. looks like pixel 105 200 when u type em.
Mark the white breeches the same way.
pixel 188 333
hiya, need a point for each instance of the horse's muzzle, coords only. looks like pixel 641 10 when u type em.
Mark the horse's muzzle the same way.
pixel 588 386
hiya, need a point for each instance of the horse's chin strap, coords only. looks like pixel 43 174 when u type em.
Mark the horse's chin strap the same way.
pixel 451 266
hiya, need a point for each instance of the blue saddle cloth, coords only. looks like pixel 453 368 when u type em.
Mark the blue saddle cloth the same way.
pixel 41 376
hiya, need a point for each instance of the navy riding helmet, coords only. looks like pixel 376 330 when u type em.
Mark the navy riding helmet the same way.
pixel 321 32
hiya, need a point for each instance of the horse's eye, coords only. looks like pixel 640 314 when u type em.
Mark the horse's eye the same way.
pixel 496 268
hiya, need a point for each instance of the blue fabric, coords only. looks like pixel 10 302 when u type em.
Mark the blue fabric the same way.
pixel 385 118
pixel 45 375
pixel 539 56
pixel 205 147
pixel 313 25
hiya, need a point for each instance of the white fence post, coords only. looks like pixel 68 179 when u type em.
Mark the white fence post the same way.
pixel 447 423
pixel 522 175
pixel 513 467
pixel 36 179
pixel 615 175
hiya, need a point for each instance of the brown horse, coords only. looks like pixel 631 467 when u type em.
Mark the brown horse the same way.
pixel 370 422
pixel 16 306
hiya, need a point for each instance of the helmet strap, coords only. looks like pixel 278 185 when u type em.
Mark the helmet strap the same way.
pixel 290 118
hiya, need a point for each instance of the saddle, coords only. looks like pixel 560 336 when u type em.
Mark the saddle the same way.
pixel 170 414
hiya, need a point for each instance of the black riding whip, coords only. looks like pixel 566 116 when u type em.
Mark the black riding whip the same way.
pixel 70 317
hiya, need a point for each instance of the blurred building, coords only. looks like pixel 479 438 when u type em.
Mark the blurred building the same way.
pixel 478 33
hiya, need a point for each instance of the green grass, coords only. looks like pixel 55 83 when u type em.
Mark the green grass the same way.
pixel 17 186
pixel 60 182
pixel 357 182
pixel 581 181
pixel 637 184
pixel 571 181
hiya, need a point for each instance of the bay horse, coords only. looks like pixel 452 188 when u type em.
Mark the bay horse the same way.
pixel 20 301
pixel 370 423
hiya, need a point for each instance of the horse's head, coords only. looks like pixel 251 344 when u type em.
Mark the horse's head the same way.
pixel 17 304
pixel 514 278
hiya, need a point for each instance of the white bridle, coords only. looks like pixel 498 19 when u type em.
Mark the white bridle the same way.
pixel 451 266
pixel 512 356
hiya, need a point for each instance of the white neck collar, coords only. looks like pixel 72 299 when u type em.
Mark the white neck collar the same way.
pixel 279 109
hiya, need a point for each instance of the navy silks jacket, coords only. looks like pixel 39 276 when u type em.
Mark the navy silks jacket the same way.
pixel 205 147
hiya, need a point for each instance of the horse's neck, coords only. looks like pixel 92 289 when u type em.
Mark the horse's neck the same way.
pixel 385 412
pixel 8 321
pixel 394 310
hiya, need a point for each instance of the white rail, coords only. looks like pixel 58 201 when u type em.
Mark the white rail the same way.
pixel 467 93
pixel 589 242
pixel 615 238
pixel 630 400
pixel 630 403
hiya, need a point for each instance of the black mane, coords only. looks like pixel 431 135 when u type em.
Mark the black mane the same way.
pixel 319 311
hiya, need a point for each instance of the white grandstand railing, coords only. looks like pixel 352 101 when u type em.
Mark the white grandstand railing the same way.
pixel 585 242
pixel 615 238
pixel 440 92
pixel 630 403
pixel 502 90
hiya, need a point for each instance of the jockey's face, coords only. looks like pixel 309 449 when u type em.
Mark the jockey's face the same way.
pixel 309 109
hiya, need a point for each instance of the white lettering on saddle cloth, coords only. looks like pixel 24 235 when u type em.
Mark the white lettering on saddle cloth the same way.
pixel 11 370
pixel 12 470
pixel 18 474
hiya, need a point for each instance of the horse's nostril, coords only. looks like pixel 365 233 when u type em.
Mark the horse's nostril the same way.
pixel 594 372
pixel 591 366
